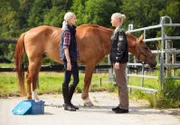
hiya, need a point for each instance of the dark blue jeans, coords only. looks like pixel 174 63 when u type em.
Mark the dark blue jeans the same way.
pixel 66 89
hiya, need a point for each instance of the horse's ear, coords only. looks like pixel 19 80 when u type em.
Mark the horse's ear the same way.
pixel 141 37
pixel 128 33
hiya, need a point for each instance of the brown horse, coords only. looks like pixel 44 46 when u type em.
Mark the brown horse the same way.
pixel 93 42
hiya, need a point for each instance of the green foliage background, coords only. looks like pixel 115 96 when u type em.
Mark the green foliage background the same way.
pixel 18 16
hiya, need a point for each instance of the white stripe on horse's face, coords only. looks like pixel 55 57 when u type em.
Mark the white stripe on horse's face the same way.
pixel 35 95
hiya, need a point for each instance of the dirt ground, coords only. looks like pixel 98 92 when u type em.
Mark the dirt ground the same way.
pixel 99 114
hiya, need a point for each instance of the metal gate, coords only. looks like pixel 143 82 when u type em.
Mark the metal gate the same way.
pixel 163 50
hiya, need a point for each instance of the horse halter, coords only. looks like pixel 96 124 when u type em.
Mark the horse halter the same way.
pixel 140 52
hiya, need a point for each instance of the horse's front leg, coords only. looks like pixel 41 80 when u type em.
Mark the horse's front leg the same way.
pixel 35 95
pixel 87 81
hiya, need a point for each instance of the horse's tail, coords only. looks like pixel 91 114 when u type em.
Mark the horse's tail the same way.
pixel 18 56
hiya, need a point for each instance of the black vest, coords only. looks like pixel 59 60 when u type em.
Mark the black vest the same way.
pixel 72 46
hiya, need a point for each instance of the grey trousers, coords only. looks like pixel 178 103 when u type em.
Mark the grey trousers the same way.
pixel 122 86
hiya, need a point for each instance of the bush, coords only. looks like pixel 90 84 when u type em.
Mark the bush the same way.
pixel 4 60
pixel 170 96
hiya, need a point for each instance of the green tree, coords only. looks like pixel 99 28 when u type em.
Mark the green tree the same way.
pixel 56 14
pixel 142 13
pixel 79 8
pixel 37 12
pixel 8 22
pixel 172 10
pixel 95 12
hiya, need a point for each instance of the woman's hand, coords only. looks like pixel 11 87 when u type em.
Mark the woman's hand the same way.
pixel 69 66
pixel 116 66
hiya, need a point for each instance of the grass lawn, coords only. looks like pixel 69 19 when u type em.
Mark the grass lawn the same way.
pixel 6 65
pixel 51 82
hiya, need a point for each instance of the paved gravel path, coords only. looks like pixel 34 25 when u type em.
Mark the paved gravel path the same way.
pixel 100 114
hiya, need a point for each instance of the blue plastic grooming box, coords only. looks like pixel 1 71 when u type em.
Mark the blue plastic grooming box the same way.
pixel 29 107
pixel 37 107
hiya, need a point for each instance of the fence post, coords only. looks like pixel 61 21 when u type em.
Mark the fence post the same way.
pixel 130 27
pixel 162 21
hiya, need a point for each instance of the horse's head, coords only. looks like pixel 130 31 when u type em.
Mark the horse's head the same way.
pixel 143 53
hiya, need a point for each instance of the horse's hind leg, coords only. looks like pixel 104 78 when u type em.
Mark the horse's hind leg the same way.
pixel 35 79
pixel 28 79
pixel 29 76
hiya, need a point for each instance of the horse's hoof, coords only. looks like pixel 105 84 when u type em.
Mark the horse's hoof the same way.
pixel 88 103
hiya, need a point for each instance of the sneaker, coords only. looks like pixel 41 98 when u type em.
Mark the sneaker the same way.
pixel 119 110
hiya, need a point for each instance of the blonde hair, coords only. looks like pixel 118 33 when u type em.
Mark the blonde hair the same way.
pixel 67 16
pixel 120 16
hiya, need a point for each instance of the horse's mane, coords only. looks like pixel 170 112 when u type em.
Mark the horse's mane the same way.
pixel 131 36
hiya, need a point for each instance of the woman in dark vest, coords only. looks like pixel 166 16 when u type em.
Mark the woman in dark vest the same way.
pixel 119 58
pixel 69 54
